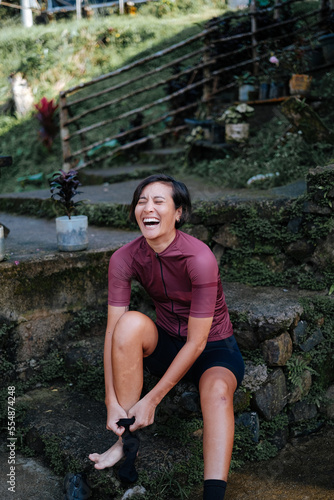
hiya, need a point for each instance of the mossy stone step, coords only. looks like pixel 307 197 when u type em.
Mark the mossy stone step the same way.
pixel 118 174
pixel 65 426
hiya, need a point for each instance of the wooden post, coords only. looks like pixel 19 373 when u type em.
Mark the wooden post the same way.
pixel 277 11
pixel 78 8
pixel 207 74
pixel 326 5
pixel 26 14
pixel 64 132
pixel 121 6
pixel 254 43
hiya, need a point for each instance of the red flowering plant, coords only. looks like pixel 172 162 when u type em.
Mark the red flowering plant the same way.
pixel 49 129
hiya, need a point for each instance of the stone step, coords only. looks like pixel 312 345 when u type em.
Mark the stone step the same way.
pixel 64 426
pixel 32 239
pixel 75 433
pixel 119 195
pixel 167 153
pixel 89 177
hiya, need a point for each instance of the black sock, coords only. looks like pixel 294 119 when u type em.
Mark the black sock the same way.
pixel 127 471
pixel 214 489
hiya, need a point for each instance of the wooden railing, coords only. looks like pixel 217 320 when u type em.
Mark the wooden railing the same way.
pixel 99 121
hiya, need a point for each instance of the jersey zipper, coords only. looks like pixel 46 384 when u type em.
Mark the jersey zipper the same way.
pixel 172 302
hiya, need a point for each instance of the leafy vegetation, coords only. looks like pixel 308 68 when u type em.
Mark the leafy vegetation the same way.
pixel 271 150
pixel 65 53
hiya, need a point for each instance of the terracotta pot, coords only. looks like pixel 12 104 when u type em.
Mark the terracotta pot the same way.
pixel 300 84
pixel 236 132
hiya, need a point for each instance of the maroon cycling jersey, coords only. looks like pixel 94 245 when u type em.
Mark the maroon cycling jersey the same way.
pixel 182 281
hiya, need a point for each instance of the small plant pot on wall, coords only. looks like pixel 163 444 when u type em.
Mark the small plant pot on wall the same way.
pixel 247 92
pixel 236 132
pixel 276 90
pixel 71 230
pixel 300 84
pixel 2 243
pixel 72 234
pixel 236 125
pixel 327 44
pixel 264 89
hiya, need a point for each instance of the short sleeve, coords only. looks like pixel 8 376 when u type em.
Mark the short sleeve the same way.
pixel 204 275
pixel 119 279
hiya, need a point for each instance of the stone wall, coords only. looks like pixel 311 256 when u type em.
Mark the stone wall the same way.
pixel 290 244
pixel 38 299
pixel 282 342
pixel 274 242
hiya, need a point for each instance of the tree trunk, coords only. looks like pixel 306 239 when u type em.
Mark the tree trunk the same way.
pixel 305 119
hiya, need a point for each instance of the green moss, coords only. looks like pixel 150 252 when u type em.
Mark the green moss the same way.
pixel 245 449
pixel 318 313
pixel 35 207
pixel 7 351
pixel 236 267
pixel 89 380
pixel 41 285
pixel 84 319
pixel 56 457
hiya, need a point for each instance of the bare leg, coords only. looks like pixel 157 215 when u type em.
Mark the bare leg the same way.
pixel 135 336
pixel 217 386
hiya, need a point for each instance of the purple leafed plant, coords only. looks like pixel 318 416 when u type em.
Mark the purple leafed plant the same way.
pixel 63 187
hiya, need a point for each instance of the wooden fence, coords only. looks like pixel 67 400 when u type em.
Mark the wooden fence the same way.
pixel 147 100
pixel 55 6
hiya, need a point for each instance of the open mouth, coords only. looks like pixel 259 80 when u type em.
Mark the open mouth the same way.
pixel 151 222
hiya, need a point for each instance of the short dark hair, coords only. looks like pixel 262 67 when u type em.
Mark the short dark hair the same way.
pixel 180 195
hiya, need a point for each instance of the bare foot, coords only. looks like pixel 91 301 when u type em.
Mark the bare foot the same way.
pixel 109 457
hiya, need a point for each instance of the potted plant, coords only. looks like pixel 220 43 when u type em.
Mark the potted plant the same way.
pixel 236 122
pixel 293 60
pixel 71 229
pixel 327 44
pixel 246 83
pixel 2 243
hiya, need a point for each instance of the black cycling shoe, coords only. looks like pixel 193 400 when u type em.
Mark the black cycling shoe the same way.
pixel 76 487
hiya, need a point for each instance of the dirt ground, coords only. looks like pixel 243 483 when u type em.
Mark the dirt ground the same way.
pixel 303 470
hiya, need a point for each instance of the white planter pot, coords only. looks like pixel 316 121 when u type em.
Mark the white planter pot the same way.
pixel 244 91
pixel 236 132
pixel 2 243
pixel 72 234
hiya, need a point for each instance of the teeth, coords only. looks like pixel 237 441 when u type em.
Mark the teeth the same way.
pixel 149 221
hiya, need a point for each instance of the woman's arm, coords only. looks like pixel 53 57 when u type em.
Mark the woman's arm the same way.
pixel 198 331
pixel 114 410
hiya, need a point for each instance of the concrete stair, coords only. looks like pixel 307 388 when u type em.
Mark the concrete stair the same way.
pixel 90 177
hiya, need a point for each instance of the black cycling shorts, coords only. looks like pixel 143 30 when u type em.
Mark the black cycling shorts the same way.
pixel 217 353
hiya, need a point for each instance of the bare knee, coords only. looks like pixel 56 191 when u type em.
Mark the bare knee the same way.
pixel 216 389
pixel 128 328
pixel 135 328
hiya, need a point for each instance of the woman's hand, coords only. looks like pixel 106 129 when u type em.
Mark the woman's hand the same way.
pixel 144 412
pixel 114 413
